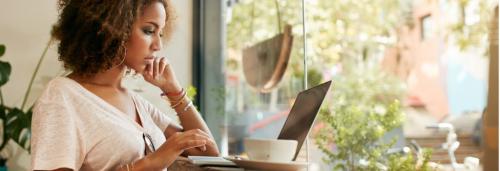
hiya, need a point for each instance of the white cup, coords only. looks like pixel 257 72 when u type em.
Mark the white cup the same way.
pixel 270 149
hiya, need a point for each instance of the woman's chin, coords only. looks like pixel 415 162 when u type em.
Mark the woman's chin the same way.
pixel 138 70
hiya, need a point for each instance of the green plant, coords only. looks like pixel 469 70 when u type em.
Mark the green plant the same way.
pixel 407 162
pixel 314 77
pixel 335 29
pixel 219 95
pixel 365 107
pixel 191 92
pixel 471 28
pixel 16 122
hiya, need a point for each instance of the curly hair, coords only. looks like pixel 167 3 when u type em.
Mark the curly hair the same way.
pixel 93 33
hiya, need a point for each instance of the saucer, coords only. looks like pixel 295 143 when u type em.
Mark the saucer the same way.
pixel 267 165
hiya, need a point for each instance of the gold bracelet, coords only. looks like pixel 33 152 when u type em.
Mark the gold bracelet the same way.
pixel 173 94
pixel 178 103
pixel 186 108
pixel 184 93
pixel 129 166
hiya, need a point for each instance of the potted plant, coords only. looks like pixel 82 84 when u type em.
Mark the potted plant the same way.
pixel 15 121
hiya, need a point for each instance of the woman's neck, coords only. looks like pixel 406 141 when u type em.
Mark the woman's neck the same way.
pixel 109 78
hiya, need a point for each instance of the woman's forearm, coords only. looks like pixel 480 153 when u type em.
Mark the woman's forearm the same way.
pixel 154 161
pixel 139 165
pixel 191 119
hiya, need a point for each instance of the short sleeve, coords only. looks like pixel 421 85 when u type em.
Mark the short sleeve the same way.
pixel 56 140
pixel 159 118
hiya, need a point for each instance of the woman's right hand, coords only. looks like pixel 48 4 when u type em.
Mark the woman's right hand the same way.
pixel 176 144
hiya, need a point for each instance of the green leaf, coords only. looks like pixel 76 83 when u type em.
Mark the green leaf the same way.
pixel 17 121
pixel 29 115
pixel 3 114
pixel 2 50
pixel 5 70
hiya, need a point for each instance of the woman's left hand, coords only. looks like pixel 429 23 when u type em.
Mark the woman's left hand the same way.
pixel 160 74
pixel 202 151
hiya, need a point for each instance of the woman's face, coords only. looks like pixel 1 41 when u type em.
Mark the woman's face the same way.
pixel 145 39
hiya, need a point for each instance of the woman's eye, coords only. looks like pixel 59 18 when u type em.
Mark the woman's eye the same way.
pixel 149 32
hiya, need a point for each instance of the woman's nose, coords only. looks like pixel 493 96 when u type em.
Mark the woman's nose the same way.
pixel 156 44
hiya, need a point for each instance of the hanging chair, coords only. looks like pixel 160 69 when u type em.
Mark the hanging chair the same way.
pixel 265 63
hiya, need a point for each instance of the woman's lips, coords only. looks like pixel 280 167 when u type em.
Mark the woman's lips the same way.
pixel 149 58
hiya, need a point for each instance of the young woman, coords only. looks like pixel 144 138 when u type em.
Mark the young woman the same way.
pixel 88 120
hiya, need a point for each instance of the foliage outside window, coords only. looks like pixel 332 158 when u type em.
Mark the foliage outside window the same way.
pixel 471 28
pixel 346 40
pixel 253 22
pixel 363 107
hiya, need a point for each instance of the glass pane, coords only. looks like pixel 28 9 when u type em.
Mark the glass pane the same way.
pixel 388 85
pixel 252 112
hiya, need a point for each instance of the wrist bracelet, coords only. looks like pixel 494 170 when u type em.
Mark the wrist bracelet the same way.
pixel 128 167
pixel 177 104
pixel 180 99
pixel 186 108
pixel 173 93
pixel 184 94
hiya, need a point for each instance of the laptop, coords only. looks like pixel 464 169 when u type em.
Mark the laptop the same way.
pixel 297 125
pixel 303 114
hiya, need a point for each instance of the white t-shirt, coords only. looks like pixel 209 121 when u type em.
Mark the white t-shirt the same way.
pixel 74 128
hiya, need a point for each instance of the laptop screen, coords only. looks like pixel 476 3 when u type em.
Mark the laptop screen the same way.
pixel 303 114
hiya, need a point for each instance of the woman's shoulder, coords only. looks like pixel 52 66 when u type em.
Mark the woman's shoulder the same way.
pixel 59 82
pixel 58 88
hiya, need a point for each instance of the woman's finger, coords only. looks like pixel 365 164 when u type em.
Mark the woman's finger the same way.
pixel 156 67
pixel 188 144
pixel 202 148
pixel 197 133
pixel 193 135
pixel 150 70
pixel 203 133
pixel 163 64
pixel 146 71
